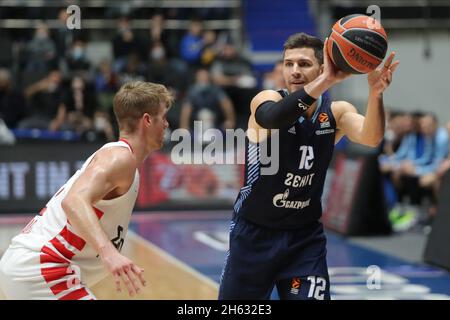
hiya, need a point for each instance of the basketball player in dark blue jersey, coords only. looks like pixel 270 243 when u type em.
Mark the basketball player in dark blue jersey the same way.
pixel 276 238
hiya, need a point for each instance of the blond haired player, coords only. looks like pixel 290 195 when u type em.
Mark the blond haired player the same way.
pixel 76 239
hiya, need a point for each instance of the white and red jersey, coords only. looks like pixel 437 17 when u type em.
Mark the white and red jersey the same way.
pixel 51 234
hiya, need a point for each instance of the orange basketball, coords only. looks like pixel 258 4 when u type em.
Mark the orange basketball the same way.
pixel 357 44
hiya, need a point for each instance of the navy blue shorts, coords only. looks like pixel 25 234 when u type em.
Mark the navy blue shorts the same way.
pixel 259 259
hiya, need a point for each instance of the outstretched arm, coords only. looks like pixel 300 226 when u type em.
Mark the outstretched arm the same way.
pixel 109 172
pixel 369 129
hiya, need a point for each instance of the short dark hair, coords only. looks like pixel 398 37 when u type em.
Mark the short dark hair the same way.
pixel 303 40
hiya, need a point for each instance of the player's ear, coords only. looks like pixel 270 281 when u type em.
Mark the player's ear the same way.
pixel 147 119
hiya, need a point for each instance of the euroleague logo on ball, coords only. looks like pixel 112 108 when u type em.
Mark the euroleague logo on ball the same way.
pixel 357 44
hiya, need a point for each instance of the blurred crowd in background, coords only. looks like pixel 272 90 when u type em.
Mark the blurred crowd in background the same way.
pixel 50 84
pixel 414 158
pixel 55 87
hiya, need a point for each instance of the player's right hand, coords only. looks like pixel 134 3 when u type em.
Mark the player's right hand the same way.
pixel 123 270
pixel 330 71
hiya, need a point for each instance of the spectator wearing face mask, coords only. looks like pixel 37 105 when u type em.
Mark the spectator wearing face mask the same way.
pixel 166 71
pixel 77 60
pixel 208 103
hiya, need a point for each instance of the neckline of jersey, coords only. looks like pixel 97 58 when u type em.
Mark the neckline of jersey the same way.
pixel 129 145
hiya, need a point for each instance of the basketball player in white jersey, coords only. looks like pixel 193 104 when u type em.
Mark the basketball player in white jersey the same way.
pixel 76 239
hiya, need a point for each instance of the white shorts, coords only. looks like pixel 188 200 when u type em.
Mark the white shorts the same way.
pixel 26 274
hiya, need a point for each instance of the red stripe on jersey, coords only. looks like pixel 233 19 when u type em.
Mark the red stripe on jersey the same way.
pixel 72 239
pixel 75 295
pixel 29 226
pixel 46 258
pixel 122 139
pixel 48 255
pixel 98 212
pixel 62 248
pixel 53 273
pixel 59 287
pixel 60 190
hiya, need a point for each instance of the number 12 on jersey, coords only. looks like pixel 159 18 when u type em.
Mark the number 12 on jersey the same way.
pixel 306 157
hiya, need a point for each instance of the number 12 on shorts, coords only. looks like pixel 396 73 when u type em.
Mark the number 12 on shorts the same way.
pixel 317 287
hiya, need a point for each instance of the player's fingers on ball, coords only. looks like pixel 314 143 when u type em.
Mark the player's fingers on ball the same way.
pixel 326 57
pixel 389 60
pixel 389 76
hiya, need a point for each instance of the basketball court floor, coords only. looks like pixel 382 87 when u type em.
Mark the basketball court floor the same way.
pixel 183 253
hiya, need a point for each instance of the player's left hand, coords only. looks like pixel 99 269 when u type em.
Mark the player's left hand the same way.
pixel 381 77
pixel 123 269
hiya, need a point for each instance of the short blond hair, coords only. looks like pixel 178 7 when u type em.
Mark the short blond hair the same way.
pixel 136 98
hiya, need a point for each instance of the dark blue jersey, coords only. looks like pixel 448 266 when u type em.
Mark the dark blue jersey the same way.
pixel 291 198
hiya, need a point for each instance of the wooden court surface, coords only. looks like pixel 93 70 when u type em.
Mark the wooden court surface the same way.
pixel 167 277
